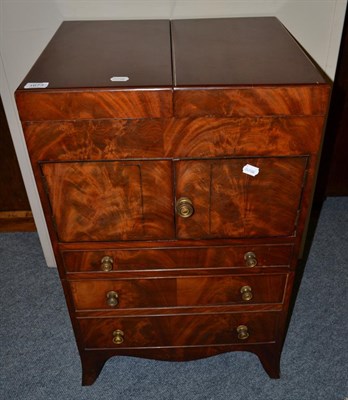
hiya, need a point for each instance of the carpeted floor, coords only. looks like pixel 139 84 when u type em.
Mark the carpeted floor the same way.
pixel 39 359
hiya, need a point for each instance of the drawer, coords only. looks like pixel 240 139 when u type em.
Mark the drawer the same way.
pixel 177 292
pixel 176 258
pixel 178 138
pixel 179 330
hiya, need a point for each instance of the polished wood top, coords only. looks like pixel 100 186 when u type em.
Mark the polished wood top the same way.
pixel 87 54
pixel 238 51
pixel 205 52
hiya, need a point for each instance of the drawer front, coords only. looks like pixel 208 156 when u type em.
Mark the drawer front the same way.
pixel 108 201
pixel 230 203
pixel 93 104
pixel 178 330
pixel 204 137
pixel 177 258
pixel 177 292
pixel 255 101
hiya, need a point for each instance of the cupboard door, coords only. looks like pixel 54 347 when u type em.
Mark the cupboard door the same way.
pixel 108 201
pixel 230 203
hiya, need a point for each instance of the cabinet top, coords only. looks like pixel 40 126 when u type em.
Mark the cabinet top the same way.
pixel 88 54
pixel 238 51
pixel 181 53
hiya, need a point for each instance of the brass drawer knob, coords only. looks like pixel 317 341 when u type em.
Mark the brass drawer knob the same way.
pixel 118 336
pixel 250 259
pixel 184 207
pixel 246 292
pixel 242 331
pixel 106 263
pixel 112 298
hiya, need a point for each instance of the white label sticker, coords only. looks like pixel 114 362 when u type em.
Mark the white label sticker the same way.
pixel 36 85
pixel 119 79
pixel 250 170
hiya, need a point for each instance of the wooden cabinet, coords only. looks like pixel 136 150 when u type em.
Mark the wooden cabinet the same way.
pixel 176 174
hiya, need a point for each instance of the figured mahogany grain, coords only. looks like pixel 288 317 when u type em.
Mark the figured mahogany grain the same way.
pixel 106 139
pixel 250 136
pixel 230 203
pixel 110 200
pixel 179 330
pixel 109 139
pixel 177 258
pixel 93 104
pixel 110 159
pixel 177 292
pixel 252 101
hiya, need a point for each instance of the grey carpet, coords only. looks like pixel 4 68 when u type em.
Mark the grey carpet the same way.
pixel 39 359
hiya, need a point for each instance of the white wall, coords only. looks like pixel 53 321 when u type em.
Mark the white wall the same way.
pixel 26 27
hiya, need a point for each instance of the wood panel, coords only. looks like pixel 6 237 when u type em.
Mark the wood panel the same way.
pixel 263 136
pixel 110 200
pixel 177 258
pixel 252 101
pixel 177 292
pixel 106 139
pixel 178 330
pixel 238 51
pixel 109 139
pixel 93 104
pixel 87 54
pixel 17 221
pixel 230 203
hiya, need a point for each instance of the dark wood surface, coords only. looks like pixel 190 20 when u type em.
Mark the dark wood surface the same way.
pixel 86 54
pixel 179 330
pixel 175 138
pixel 188 258
pixel 15 212
pixel 238 51
pixel 111 162
pixel 98 104
pixel 94 360
pixel 132 200
pixel 13 196
pixel 177 292
pixel 255 101
pixel 242 51
pixel 230 203
pixel 110 201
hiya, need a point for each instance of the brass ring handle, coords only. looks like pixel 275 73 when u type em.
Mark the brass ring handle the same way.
pixel 250 259
pixel 118 336
pixel 246 293
pixel 242 331
pixel 112 298
pixel 184 207
pixel 106 263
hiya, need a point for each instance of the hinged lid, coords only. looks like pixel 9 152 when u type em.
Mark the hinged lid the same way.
pixel 238 51
pixel 101 69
